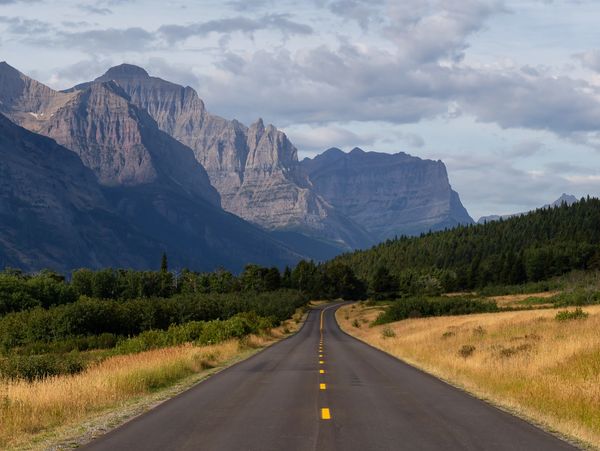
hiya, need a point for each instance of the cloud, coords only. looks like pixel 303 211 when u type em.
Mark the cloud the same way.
pixel 11 2
pixel 103 40
pixel 22 26
pixel 589 60
pixel 316 139
pixel 91 9
pixel 279 22
pixel 365 12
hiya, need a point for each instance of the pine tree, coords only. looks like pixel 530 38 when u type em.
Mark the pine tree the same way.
pixel 164 265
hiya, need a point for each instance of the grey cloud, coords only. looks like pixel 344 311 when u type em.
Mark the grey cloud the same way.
pixel 22 26
pixel 280 22
pixel 430 30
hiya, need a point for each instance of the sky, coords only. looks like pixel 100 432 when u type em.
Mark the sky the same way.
pixel 506 93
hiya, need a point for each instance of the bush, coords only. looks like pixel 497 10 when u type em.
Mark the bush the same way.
pixel 388 332
pixel 416 307
pixel 567 315
pixel 40 366
pixel 94 317
pixel 466 351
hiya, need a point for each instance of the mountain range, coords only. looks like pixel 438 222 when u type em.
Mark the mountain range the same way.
pixel 171 176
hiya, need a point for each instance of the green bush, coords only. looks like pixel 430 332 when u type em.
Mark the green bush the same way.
pixel 567 315
pixel 40 366
pixel 95 317
pixel 417 307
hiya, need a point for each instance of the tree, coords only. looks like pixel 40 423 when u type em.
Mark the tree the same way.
pixel 164 264
pixel 383 285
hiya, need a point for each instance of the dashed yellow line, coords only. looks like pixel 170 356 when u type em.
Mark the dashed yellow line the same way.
pixel 322 371
pixel 322 386
pixel 325 414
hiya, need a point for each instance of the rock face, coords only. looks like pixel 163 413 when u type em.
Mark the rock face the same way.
pixel 53 212
pixel 255 169
pixel 388 195
pixel 150 180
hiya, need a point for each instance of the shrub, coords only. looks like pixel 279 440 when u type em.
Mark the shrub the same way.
pixel 40 366
pixel 466 351
pixel 356 323
pixel 388 332
pixel 509 352
pixel 567 315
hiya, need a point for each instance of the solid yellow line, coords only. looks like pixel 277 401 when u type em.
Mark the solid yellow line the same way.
pixel 323 386
pixel 322 371
pixel 322 312
pixel 325 414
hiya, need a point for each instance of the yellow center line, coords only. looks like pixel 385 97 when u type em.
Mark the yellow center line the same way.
pixel 325 414
pixel 323 386
pixel 322 371
pixel 321 362
pixel 321 355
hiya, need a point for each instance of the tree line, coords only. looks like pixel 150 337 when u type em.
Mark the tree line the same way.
pixel 534 247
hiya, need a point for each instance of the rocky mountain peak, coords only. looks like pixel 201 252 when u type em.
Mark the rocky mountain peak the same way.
pixel 124 71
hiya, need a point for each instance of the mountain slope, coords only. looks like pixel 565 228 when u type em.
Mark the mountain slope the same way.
pixel 254 169
pixel 388 195
pixel 153 181
pixel 53 212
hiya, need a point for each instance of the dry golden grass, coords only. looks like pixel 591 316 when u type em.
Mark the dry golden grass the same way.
pixel 32 410
pixel 525 361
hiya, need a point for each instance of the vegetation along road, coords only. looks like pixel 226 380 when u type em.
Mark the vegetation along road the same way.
pixel 324 390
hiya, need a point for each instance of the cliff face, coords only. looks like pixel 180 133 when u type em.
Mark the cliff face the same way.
pixel 255 169
pixel 53 213
pixel 387 195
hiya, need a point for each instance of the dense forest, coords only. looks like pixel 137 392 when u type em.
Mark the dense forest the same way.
pixel 529 248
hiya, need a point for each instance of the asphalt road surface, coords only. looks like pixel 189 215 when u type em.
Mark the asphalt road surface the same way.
pixel 324 390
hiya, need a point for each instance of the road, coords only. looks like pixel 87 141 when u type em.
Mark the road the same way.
pixel 324 390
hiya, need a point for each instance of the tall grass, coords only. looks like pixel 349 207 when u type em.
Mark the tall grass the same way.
pixel 527 361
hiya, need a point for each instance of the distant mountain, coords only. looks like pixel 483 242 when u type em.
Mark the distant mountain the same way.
pixel 564 199
pixel 150 180
pixel 183 180
pixel 255 169
pixel 388 195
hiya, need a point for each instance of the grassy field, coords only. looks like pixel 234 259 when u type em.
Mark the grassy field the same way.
pixel 38 414
pixel 525 361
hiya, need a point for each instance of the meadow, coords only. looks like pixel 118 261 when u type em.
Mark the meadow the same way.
pixel 541 364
